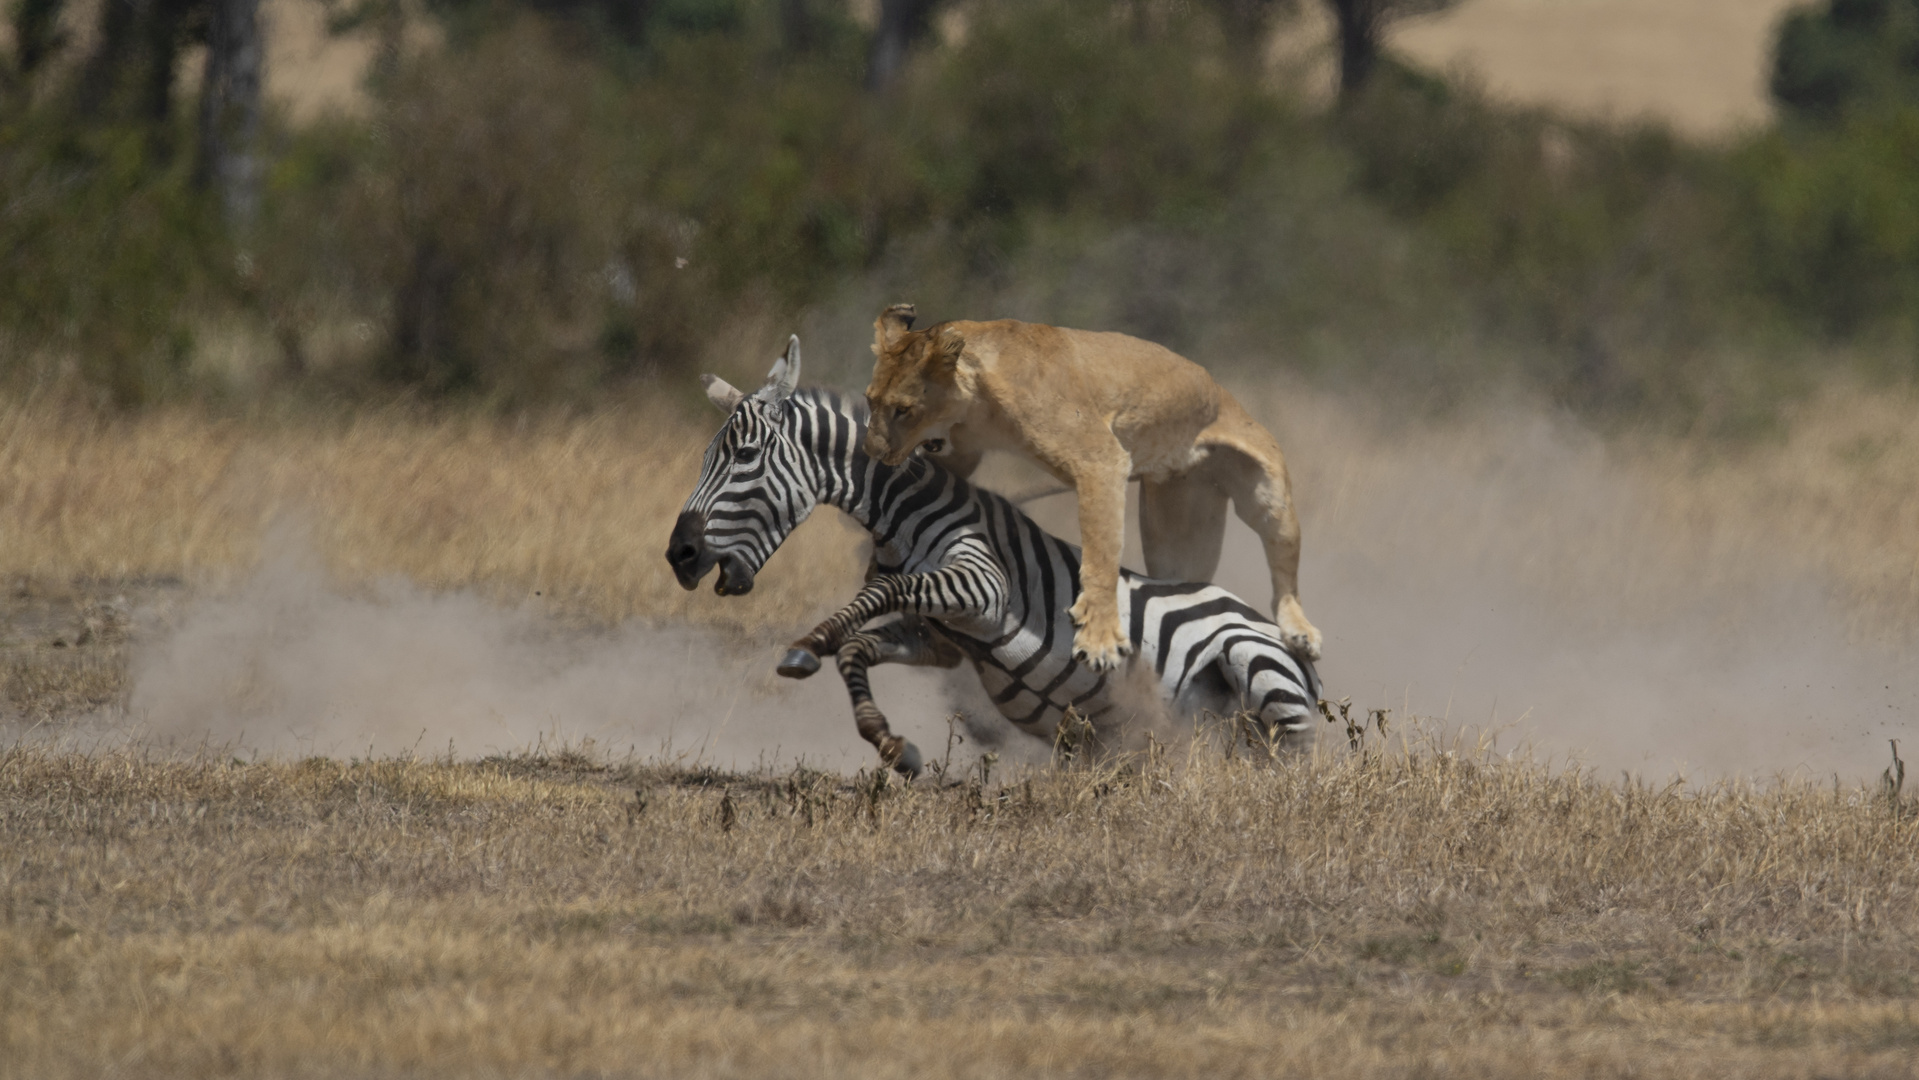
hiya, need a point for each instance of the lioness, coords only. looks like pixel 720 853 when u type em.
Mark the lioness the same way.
pixel 1095 409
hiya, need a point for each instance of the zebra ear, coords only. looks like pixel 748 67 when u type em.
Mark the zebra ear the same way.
pixel 785 376
pixel 721 393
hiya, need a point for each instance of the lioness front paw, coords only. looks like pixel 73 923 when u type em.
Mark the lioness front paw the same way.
pixel 1298 635
pixel 1101 651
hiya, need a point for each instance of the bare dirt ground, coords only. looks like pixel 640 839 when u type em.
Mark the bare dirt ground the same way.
pixel 63 644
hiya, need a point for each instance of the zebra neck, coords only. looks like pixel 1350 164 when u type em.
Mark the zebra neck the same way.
pixel 888 500
pixel 865 488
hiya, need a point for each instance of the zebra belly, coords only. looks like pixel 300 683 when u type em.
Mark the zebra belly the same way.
pixel 1179 629
pixel 1032 683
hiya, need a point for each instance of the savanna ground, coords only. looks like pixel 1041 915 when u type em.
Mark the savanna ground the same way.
pixel 1419 908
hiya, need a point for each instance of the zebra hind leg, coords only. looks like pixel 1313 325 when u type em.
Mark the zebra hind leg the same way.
pixel 905 641
pixel 1278 689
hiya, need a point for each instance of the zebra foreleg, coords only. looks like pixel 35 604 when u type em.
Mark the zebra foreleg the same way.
pixel 966 589
pixel 908 641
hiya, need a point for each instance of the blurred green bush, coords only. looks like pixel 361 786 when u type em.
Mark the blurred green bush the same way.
pixel 102 258
pixel 575 198
pixel 1842 55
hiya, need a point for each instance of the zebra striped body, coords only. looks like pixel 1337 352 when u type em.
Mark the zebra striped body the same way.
pixel 988 580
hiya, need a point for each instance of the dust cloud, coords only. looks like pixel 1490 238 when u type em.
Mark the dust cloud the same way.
pixel 285 663
pixel 1515 574
pixel 1507 576
pixel 1511 576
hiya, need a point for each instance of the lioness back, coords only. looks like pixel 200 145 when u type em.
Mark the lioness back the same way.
pixel 1155 401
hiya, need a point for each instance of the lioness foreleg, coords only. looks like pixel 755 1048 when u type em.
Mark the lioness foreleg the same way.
pixel 1099 642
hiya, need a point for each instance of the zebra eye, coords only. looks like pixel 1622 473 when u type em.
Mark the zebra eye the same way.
pixel 746 455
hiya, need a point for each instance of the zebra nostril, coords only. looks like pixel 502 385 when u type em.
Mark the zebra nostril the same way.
pixel 686 548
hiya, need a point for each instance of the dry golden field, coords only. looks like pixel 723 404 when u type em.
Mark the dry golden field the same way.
pixel 577 508
pixel 1700 65
pixel 1654 602
pixel 241 906
pixel 1405 914
pixel 572 508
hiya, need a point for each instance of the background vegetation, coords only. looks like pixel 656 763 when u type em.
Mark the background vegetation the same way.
pixel 565 199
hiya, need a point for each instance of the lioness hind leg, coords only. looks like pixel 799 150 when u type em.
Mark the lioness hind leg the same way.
pixel 1182 522
pixel 1263 498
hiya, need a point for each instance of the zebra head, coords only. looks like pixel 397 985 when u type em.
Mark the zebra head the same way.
pixel 753 488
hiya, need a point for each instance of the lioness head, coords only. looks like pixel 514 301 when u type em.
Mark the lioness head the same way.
pixel 914 394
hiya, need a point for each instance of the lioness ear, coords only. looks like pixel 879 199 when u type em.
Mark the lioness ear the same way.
pixel 721 393
pixel 891 326
pixel 946 351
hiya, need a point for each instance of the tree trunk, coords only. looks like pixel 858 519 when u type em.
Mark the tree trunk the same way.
pixel 1245 23
pixel 36 33
pixel 115 42
pixel 1359 24
pixel 165 30
pixel 797 32
pixel 230 110
pixel 627 17
pixel 902 22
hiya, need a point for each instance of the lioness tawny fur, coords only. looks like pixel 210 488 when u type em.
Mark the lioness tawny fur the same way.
pixel 1096 410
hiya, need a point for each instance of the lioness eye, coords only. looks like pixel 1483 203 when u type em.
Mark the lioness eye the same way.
pixel 901 412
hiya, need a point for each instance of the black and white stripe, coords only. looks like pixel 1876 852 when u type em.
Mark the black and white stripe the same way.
pixel 990 584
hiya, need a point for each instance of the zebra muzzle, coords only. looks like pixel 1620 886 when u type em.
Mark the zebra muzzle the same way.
pixel 736 577
pixel 687 553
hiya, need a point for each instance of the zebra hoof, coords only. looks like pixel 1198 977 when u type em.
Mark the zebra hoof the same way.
pixel 798 664
pixel 908 764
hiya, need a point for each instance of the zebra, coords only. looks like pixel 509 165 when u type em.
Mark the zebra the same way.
pixel 972 576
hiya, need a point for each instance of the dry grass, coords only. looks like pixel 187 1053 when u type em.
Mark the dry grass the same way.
pixel 576 511
pixel 1700 65
pixel 1836 491
pixel 1408 914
